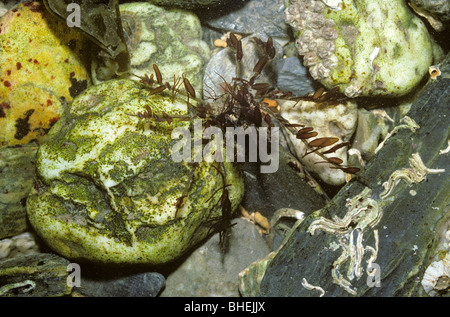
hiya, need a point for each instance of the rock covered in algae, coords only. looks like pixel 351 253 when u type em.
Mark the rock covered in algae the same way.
pixel 170 38
pixel 41 69
pixel 365 48
pixel 108 189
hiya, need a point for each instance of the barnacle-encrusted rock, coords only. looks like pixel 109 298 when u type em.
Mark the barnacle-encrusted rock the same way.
pixel 108 189
pixel 334 120
pixel 170 38
pixel 436 278
pixel 41 69
pixel 364 48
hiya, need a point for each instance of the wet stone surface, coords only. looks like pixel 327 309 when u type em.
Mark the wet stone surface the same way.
pixel 420 203
pixel 395 215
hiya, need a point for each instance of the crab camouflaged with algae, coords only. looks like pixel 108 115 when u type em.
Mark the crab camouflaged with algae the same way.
pixel 108 189
pixel 363 47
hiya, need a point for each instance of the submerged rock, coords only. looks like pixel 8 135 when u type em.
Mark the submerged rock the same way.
pixel 191 4
pixel 114 283
pixel 17 173
pixel 169 38
pixel 365 49
pixel 437 12
pixel 42 68
pixel 223 67
pixel 35 275
pixel 22 244
pixel 380 237
pixel 248 17
pixel 329 120
pixel 293 76
pixel 210 272
pixel 100 21
pixel 108 188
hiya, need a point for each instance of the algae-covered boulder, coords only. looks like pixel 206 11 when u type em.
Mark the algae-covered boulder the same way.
pixel 108 189
pixel 363 47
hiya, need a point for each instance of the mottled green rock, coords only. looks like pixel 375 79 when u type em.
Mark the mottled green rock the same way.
pixel 108 189
pixel 410 201
pixel 17 174
pixel 363 47
pixel 36 275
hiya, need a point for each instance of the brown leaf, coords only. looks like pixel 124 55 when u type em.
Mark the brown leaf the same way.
pixel 157 90
pixel 158 74
pixel 350 170
pixel 318 93
pixel 322 142
pixel 336 147
pixel 335 160
pixel 260 64
pixel 306 135
pixel 188 87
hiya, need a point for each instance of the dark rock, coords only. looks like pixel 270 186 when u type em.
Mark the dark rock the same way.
pixel 288 187
pixel 114 283
pixel 35 275
pixel 248 17
pixel 293 76
pixel 410 215
pixel 209 272
pixel 101 23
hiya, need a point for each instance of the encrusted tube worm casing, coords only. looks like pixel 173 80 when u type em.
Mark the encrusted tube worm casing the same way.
pixel 365 47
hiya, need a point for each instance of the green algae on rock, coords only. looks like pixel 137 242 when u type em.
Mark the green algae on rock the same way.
pixel 41 68
pixel 363 47
pixel 108 189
